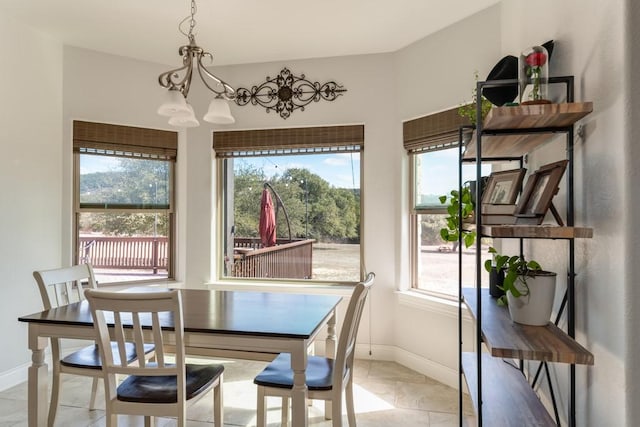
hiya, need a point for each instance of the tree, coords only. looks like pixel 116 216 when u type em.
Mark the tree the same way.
pixel 131 184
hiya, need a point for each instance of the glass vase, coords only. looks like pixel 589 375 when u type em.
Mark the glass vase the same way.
pixel 533 76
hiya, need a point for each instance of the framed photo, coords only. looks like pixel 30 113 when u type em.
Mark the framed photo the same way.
pixel 503 187
pixel 541 186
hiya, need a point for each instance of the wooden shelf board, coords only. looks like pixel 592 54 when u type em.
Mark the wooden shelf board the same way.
pixel 505 338
pixel 523 118
pixel 508 398
pixel 537 231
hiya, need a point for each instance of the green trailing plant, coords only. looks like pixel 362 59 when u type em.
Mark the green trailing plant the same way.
pixel 454 223
pixel 469 110
pixel 515 267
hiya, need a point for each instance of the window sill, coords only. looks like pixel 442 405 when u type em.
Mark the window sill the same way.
pixel 316 288
pixel 433 304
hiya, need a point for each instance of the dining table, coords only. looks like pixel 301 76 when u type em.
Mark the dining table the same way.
pixel 243 324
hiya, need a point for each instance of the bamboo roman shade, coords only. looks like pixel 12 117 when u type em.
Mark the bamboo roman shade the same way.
pixel 433 132
pixel 251 143
pixel 124 141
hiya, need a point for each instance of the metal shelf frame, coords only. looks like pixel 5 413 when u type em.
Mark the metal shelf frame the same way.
pixel 568 301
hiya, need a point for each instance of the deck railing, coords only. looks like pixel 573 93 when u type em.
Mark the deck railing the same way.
pixel 286 260
pixel 149 253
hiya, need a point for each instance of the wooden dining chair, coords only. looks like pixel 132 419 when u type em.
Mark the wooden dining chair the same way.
pixel 60 287
pixel 326 378
pixel 158 389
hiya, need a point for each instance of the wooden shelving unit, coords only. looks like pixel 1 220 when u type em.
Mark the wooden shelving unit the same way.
pixel 528 119
pixel 505 338
pixel 536 232
pixel 500 390
pixel 509 399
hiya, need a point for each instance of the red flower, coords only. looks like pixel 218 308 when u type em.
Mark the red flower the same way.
pixel 536 59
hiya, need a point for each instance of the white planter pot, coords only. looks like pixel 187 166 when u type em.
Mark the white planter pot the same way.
pixel 535 308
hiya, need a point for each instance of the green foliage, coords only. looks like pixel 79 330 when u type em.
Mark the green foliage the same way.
pixel 451 233
pixel 134 183
pixel 516 268
pixel 315 208
pixel 469 110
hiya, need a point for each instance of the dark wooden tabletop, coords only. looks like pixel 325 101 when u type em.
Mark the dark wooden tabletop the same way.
pixel 225 312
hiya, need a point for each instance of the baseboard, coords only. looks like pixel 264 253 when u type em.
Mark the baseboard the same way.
pixel 13 377
pixel 420 364
pixel 427 367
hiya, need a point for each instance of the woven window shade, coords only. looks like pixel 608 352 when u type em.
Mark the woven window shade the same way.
pixel 126 141
pixel 433 132
pixel 247 143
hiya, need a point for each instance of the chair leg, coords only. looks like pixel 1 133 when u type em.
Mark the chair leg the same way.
pixel 150 421
pixel 336 412
pixel 94 391
pixel 111 420
pixel 285 412
pixel 351 413
pixel 262 410
pixel 217 404
pixel 55 394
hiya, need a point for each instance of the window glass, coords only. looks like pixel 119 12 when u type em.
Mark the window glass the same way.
pixel 435 266
pixel 111 182
pixel 124 217
pixel 315 200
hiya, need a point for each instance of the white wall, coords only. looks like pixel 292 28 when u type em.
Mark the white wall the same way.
pixel 590 44
pixel 431 75
pixel 373 83
pixel 383 90
pixel 30 178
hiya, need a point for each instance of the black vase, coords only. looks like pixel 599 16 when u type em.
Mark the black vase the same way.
pixel 496 278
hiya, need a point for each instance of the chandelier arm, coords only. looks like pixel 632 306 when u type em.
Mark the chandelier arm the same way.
pixel 166 79
pixel 229 93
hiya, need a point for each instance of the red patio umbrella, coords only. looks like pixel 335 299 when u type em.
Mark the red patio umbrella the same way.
pixel 267 227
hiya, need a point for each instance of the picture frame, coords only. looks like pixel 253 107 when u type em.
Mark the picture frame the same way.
pixel 539 190
pixel 503 187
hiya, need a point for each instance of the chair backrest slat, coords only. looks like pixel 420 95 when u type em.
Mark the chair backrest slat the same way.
pixel 348 334
pixel 62 286
pixel 158 339
pixel 141 315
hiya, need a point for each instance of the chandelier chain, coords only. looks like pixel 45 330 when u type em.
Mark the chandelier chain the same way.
pixel 192 22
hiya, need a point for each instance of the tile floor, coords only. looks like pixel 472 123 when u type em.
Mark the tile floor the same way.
pixel 385 394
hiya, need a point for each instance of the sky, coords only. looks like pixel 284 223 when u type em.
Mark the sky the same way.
pixel 341 170
pixel 91 164
pixel 439 172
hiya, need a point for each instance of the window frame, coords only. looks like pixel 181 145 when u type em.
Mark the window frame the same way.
pixel 119 143
pixel 414 213
pixel 257 144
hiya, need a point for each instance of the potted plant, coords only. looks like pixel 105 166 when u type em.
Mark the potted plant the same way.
pixel 529 290
pixel 469 110
pixel 451 233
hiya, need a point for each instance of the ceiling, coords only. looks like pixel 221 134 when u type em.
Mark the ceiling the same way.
pixel 242 31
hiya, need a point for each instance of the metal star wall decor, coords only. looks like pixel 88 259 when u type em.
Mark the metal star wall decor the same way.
pixel 286 93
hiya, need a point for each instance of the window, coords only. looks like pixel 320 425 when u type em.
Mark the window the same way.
pixel 124 201
pixel 435 268
pixel 313 178
pixel 432 144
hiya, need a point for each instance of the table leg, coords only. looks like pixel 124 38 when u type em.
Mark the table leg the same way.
pixel 299 408
pixel 330 351
pixel 38 378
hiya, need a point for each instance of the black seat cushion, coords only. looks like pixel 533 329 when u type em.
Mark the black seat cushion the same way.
pixel 278 373
pixel 163 389
pixel 89 357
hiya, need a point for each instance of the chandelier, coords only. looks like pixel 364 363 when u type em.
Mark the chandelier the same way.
pixel 178 82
